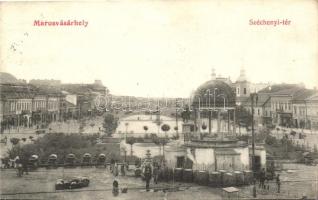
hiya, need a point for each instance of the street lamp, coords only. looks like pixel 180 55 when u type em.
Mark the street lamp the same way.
pixel 126 124
pixel 253 96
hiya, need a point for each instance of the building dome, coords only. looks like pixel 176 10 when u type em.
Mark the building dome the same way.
pixel 222 91
pixel 6 78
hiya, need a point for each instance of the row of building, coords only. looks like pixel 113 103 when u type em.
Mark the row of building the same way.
pixel 289 105
pixel 286 105
pixel 38 103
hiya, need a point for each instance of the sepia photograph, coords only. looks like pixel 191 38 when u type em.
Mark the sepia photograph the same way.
pixel 159 99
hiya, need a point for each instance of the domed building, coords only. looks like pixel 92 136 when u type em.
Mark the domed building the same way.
pixel 212 94
pixel 214 105
pixel 6 78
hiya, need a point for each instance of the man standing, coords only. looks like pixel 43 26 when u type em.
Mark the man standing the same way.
pixel 155 174
pixel 25 165
pixel 278 183
pixel 148 175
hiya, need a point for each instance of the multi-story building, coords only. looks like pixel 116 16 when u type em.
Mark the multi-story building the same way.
pixel 16 100
pixel 84 96
pixel 312 111
pixel 300 108
pixel 262 109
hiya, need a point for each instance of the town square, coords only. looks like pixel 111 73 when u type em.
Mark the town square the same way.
pixel 159 100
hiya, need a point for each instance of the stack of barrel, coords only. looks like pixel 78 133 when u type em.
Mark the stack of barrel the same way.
pixel 220 178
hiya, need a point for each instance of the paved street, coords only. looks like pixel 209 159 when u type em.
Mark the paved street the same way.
pixel 41 184
pixel 297 181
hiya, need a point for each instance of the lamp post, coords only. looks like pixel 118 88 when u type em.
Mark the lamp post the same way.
pixel 253 96
pixel 126 124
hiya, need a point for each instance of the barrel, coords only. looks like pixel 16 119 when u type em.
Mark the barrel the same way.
pixel 178 174
pixel 248 177
pixel 188 175
pixel 201 177
pixel 222 172
pixel 228 179
pixel 215 179
pixel 239 178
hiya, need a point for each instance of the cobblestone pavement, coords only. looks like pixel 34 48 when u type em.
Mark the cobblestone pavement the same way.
pixel 297 181
pixel 40 185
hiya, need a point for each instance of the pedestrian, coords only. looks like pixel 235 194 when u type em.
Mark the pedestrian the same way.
pixel 111 166
pixel 278 183
pixel 262 178
pixel 115 170
pixel 155 174
pixel 115 188
pixel 25 163
pixel 147 176
pixel 18 165
pixel 122 169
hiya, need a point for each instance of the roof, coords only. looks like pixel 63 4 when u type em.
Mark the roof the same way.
pixel 279 87
pixel 313 97
pixel 262 98
pixel 301 95
pixel 6 78
pixel 222 89
pixel 83 88
pixel 20 91
pixel 14 91
pixel 68 104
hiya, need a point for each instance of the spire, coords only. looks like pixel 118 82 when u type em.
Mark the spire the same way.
pixel 242 76
pixel 213 75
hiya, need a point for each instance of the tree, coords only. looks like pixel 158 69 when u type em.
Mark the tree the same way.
pixel 163 142
pixel 110 124
pixel 14 141
pixel 244 117
pixel 165 128
pixel 145 129
pixel 131 141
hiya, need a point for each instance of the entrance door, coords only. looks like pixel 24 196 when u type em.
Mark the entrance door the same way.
pixel 257 163
pixel 180 162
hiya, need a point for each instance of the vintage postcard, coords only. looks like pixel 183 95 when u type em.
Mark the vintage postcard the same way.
pixel 162 99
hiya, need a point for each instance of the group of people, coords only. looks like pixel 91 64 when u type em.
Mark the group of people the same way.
pixel 151 172
pixel 264 181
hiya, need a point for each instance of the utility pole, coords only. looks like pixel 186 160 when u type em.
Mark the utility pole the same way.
pixel 177 115
pixel 253 144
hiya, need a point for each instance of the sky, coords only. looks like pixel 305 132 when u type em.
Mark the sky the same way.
pixel 160 48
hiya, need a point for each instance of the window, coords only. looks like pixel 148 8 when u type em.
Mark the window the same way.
pixel 258 111
pixel 244 90
pixel 295 110
pixel 238 91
